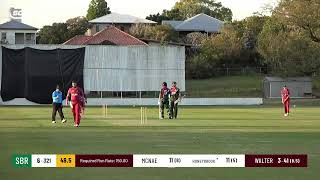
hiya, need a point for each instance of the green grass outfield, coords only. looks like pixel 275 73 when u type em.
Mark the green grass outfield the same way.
pixel 199 130
pixel 227 86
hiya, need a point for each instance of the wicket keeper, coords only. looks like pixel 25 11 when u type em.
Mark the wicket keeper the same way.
pixel 285 96
pixel 57 105
pixel 77 102
pixel 163 102
pixel 174 100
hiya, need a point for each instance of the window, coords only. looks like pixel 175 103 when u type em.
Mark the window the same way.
pixel 28 36
pixel 19 38
pixel 3 36
pixel 97 28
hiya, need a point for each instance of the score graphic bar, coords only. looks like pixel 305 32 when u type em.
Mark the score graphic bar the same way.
pixel 188 160
pixel 276 161
pixel 158 160
pixel 66 160
pixel 104 160
pixel 44 160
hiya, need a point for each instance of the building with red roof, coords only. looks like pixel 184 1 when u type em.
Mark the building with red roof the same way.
pixel 78 40
pixel 108 36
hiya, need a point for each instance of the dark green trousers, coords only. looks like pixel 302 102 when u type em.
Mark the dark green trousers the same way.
pixel 173 110
pixel 163 105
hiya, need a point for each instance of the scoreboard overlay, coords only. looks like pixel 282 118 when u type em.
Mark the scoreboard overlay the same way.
pixel 158 160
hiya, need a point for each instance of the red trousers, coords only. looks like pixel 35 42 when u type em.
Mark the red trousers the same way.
pixel 76 110
pixel 286 106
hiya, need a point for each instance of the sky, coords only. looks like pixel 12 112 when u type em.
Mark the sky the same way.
pixel 38 13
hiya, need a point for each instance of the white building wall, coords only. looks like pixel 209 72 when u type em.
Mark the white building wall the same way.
pixel 10 37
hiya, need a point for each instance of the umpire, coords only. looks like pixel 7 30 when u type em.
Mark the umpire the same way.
pixel 57 105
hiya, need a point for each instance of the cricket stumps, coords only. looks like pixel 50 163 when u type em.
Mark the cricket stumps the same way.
pixel 143 115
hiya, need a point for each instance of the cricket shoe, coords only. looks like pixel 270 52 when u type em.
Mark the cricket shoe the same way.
pixel 64 121
pixel 77 125
pixel 53 122
pixel 286 115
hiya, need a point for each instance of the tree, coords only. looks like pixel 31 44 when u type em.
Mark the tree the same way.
pixel 226 46
pixel 185 9
pixel 162 33
pixel 97 8
pixel 77 26
pixel 173 14
pixel 140 30
pixel 157 17
pixel 290 39
pixel 222 50
pixel 195 38
pixel 301 14
pixel 249 29
pixel 59 33
pixel 190 8
pixel 287 50
pixel 55 34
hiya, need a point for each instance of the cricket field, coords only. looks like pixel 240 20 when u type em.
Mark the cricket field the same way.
pixel 199 130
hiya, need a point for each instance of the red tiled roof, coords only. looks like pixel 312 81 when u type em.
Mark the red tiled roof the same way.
pixel 110 35
pixel 78 40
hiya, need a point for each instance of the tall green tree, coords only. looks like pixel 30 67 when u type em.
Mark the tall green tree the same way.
pixel 303 15
pixel 195 38
pixel 222 50
pixel 287 50
pixel 185 9
pixel 190 8
pixel 290 39
pixel 158 17
pixel 162 33
pixel 59 33
pixel 55 34
pixel 249 29
pixel 97 8
pixel 77 26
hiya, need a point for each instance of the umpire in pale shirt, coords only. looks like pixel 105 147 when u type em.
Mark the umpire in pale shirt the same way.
pixel 57 105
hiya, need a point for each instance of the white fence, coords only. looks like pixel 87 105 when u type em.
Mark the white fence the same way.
pixel 185 101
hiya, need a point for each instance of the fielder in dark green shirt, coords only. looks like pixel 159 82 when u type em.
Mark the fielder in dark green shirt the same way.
pixel 164 96
pixel 174 100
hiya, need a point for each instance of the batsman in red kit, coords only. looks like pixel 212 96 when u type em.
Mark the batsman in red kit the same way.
pixel 285 94
pixel 77 102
